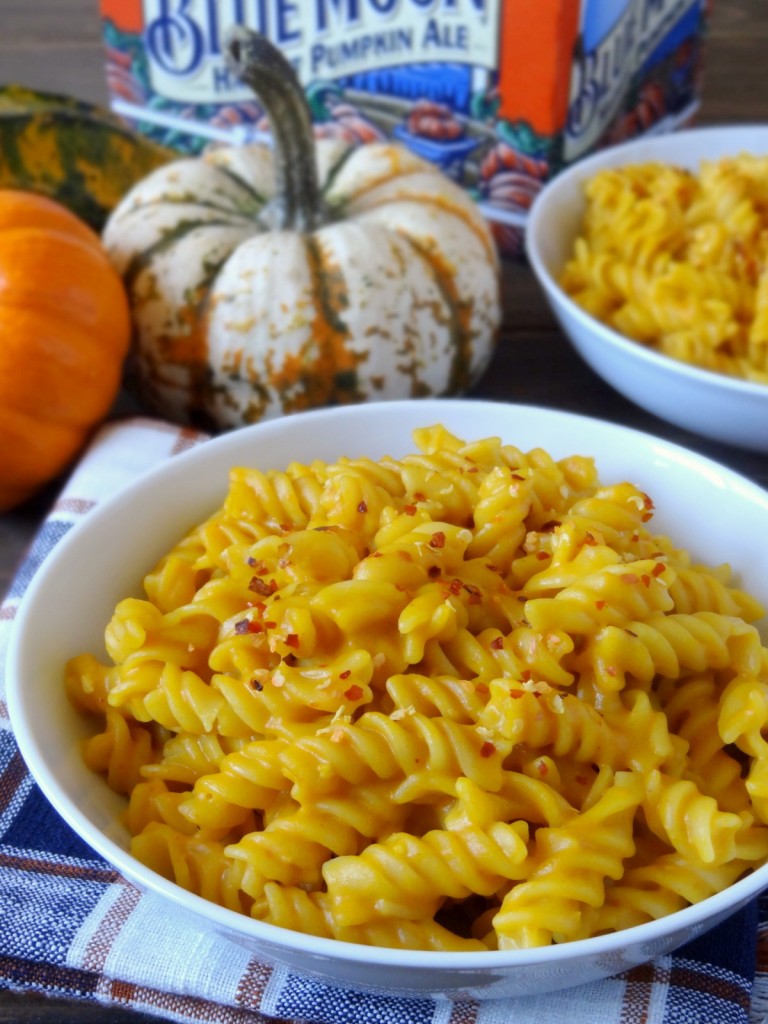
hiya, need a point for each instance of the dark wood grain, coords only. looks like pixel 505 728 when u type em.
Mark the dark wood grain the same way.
pixel 34 1009
pixel 54 45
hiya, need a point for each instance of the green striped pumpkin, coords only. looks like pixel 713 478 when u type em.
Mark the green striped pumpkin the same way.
pixel 72 152
pixel 268 280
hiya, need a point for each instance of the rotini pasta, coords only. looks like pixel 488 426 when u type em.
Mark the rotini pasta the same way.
pixel 679 261
pixel 462 700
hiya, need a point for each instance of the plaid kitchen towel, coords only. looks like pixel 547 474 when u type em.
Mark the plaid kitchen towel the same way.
pixel 71 926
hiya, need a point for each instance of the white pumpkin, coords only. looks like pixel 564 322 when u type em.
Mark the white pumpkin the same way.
pixel 269 280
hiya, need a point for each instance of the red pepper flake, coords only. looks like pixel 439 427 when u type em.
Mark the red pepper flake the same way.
pixel 362 508
pixel 437 540
pixel 599 604
pixel 410 510
pixel 526 675
pixel 269 624
pixel 258 586
pixel 481 688
pixel 247 626
pixel 516 476
pixel 610 670
pixel 292 640
pixel 487 749
pixel 589 540
pixel 418 496
pixel 646 516
pixel 647 501
pixel 491 567
pixel 629 577
pixel 542 769
pixel 455 586
pixel 515 694
pixel 354 692
pixel 472 469
pixel 345 674
pixel 658 569
pixel 290 659
pixel 497 644
pixel 543 555
pixel 635 538
pixel 645 579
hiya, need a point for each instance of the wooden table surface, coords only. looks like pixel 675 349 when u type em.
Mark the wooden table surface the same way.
pixel 55 45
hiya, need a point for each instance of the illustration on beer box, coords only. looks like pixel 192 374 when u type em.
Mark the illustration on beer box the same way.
pixel 500 94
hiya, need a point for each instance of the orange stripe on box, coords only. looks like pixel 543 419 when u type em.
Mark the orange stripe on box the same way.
pixel 126 14
pixel 537 45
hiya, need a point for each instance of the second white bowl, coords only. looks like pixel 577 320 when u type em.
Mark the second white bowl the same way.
pixel 716 406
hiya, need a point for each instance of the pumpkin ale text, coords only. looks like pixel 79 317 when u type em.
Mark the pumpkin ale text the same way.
pixel 64 330
pixel 270 279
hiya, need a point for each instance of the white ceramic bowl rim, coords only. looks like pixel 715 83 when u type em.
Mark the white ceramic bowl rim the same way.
pixel 320 948
pixel 623 154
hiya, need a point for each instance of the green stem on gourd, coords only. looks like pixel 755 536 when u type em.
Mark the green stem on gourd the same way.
pixel 260 65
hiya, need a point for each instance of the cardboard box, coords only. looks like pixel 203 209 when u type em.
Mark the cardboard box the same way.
pixel 500 94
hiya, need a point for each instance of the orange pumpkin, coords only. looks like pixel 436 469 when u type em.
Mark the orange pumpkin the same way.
pixel 64 333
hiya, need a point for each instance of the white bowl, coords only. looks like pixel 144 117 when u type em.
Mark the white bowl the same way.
pixel 716 406
pixel 104 558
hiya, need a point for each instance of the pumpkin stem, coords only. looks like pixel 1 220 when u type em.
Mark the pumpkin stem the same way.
pixel 260 65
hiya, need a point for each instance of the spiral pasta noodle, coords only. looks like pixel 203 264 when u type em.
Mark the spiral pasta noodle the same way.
pixel 461 700
pixel 678 261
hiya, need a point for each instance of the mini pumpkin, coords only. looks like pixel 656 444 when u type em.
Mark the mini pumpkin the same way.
pixel 271 279
pixel 64 331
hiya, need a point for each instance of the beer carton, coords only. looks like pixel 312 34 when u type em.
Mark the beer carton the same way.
pixel 500 94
